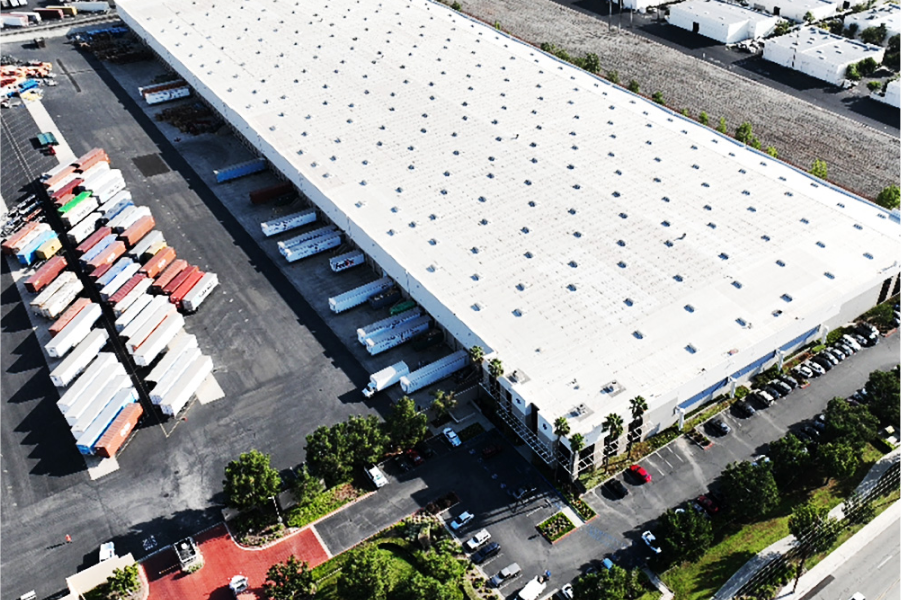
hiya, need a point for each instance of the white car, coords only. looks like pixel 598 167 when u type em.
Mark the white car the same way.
pixel 451 437
pixel 477 540
pixel 378 478
pixel 462 520
pixel 651 542
pixel 567 591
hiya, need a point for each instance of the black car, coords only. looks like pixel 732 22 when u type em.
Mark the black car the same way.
pixel 773 391
pixel 805 439
pixel 789 381
pixel 425 451
pixel 616 487
pixel 719 426
pixel 486 552
pixel 759 400
pixel 812 432
pixel 826 364
pixel 744 408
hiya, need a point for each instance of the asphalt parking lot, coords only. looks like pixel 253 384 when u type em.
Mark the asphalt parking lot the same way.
pixel 283 371
pixel 854 104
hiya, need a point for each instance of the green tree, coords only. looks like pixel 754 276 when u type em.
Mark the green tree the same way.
pixel 883 387
pixel 495 368
pixel 123 583
pixel 328 454
pixel 771 150
pixel 892 57
pixel 874 35
pixel 790 458
pixel 638 405
pixel 307 487
pixel 457 6
pixel 839 459
pixel 782 27
pixel 889 197
pixel 859 509
pixel 750 490
pixel 250 481
pixel 658 98
pixel 722 126
pixel 561 429
pixel 851 31
pixel 613 424
pixel 744 133
pixel 477 354
pixel 867 66
pixel 854 425
pixel 608 584
pixel 633 86
pixel 576 444
pixel 684 535
pixel 366 439
pixel 290 580
pixel 852 72
pixel 366 575
pixel 808 17
pixel 443 566
pixel 407 426
pixel 613 76
pixel 420 586
pixel 819 169
pixel 685 113
pixel 814 531
pixel 592 63
pixel 444 402
pixel 703 118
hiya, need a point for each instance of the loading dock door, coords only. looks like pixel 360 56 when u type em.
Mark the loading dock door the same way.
pixel 695 27
pixel 776 11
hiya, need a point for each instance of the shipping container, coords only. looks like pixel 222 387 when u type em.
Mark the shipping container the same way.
pixel 100 271
pixel 272 192
pixel 99 386
pixel 33 18
pixel 13 20
pixel 29 253
pixel 68 11
pixel 85 352
pixel 285 245
pixel 90 174
pixel 358 296
pixel 91 156
pixel 385 378
pixel 92 7
pixel 289 222
pixel 179 279
pixel 68 315
pixel 122 196
pixel 152 243
pixel 128 315
pixel 55 171
pixel 63 200
pixel 138 230
pixel 13 240
pixel 61 300
pixel 107 258
pixel 346 261
pixel 98 176
pixel 94 245
pixel 130 284
pixel 84 228
pixel 57 175
pixel 29 237
pixel 313 246
pixel 189 284
pixel 46 274
pixel 178 350
pixel 240 170
pixel 105 362
pixel 49 248
pixel 125 221
pixel 118 282
pixel 109 191
pixel 140 334
pixel 51 288
pixel 434 372
pixel 391 338
pixel 199 292
pixel 78 213
pixel 168 379
pixel 64 195
pixel 155 265
pixel 77 329
pixel 81 197
pixel 156 342
pixel 385 299
pixel 85 442
pixel 49 13
pixel 93 410
pixel 125 303
pixel 168 275
pixel 119 266
pixel 117 209
pixel 186 386
pixel 165 92
pixel 363 333
pixel 119 430
pixel 59 183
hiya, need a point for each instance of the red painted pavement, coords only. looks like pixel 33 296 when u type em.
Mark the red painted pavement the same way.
pixel 223 559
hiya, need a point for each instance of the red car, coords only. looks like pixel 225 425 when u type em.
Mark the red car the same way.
pixel 709 505
pixel 413 457
pixel 640 473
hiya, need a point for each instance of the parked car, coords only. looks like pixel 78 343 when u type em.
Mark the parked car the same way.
pixel 758 399
pixel 760 459
pixel 506 574
pixel 616 488
pixel 812 432
pixel 477 540
pixel 377 477
pixel 720 426
pixel 744 408
pixel 819 422
pixel 640 473
pixel 767 397
pixel 651 542
pixel 451 436
pixel 828 355
pixel 836 353
pixel 566 592
pixel 414 457
pixel 709 505
pixel 485 553
pixel 853 343
pixel 846 349
pixel 789 381
pixel 822 362
pixel 462 520
pixel 781 386
pixel 804 371
pixel 424 450
pixel 816 367
pixel 491 450
pixel 773 391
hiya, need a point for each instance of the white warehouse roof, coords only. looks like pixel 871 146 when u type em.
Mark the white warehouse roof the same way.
pixel 557 217
pixel 827 47
pixel 721 11
pixel 887 14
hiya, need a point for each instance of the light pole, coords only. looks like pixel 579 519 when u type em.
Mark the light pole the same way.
pixel 277 513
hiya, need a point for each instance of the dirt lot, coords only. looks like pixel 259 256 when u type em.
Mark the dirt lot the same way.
pixel 860 158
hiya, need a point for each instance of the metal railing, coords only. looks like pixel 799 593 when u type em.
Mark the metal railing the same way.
pixel 526 434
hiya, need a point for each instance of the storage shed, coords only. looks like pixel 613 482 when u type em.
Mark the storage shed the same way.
pixel 819 53
pixel 726 23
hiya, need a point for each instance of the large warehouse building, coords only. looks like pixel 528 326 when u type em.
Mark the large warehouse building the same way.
pixel 600 245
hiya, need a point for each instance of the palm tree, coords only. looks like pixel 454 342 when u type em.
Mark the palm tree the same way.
pixel 444 402
pixel 477 354
pixel 495 368
pixel 561 428
pixel 576 444
pixel 639 406
pixel 614 424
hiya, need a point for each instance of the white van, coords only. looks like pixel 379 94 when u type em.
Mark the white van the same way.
pixel 377 477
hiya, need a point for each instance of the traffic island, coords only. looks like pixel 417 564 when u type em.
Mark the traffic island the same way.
pixel 556 527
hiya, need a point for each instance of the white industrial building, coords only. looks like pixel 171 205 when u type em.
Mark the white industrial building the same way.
pixel 598 244
pixel 818 53
pixel 888 15
pixel 796 10
pixel 726 23
pixel 892 95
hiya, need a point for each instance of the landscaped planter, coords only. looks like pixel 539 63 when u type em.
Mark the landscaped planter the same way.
pixel 556 527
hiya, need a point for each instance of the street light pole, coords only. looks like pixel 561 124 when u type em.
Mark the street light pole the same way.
pixel 277 513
